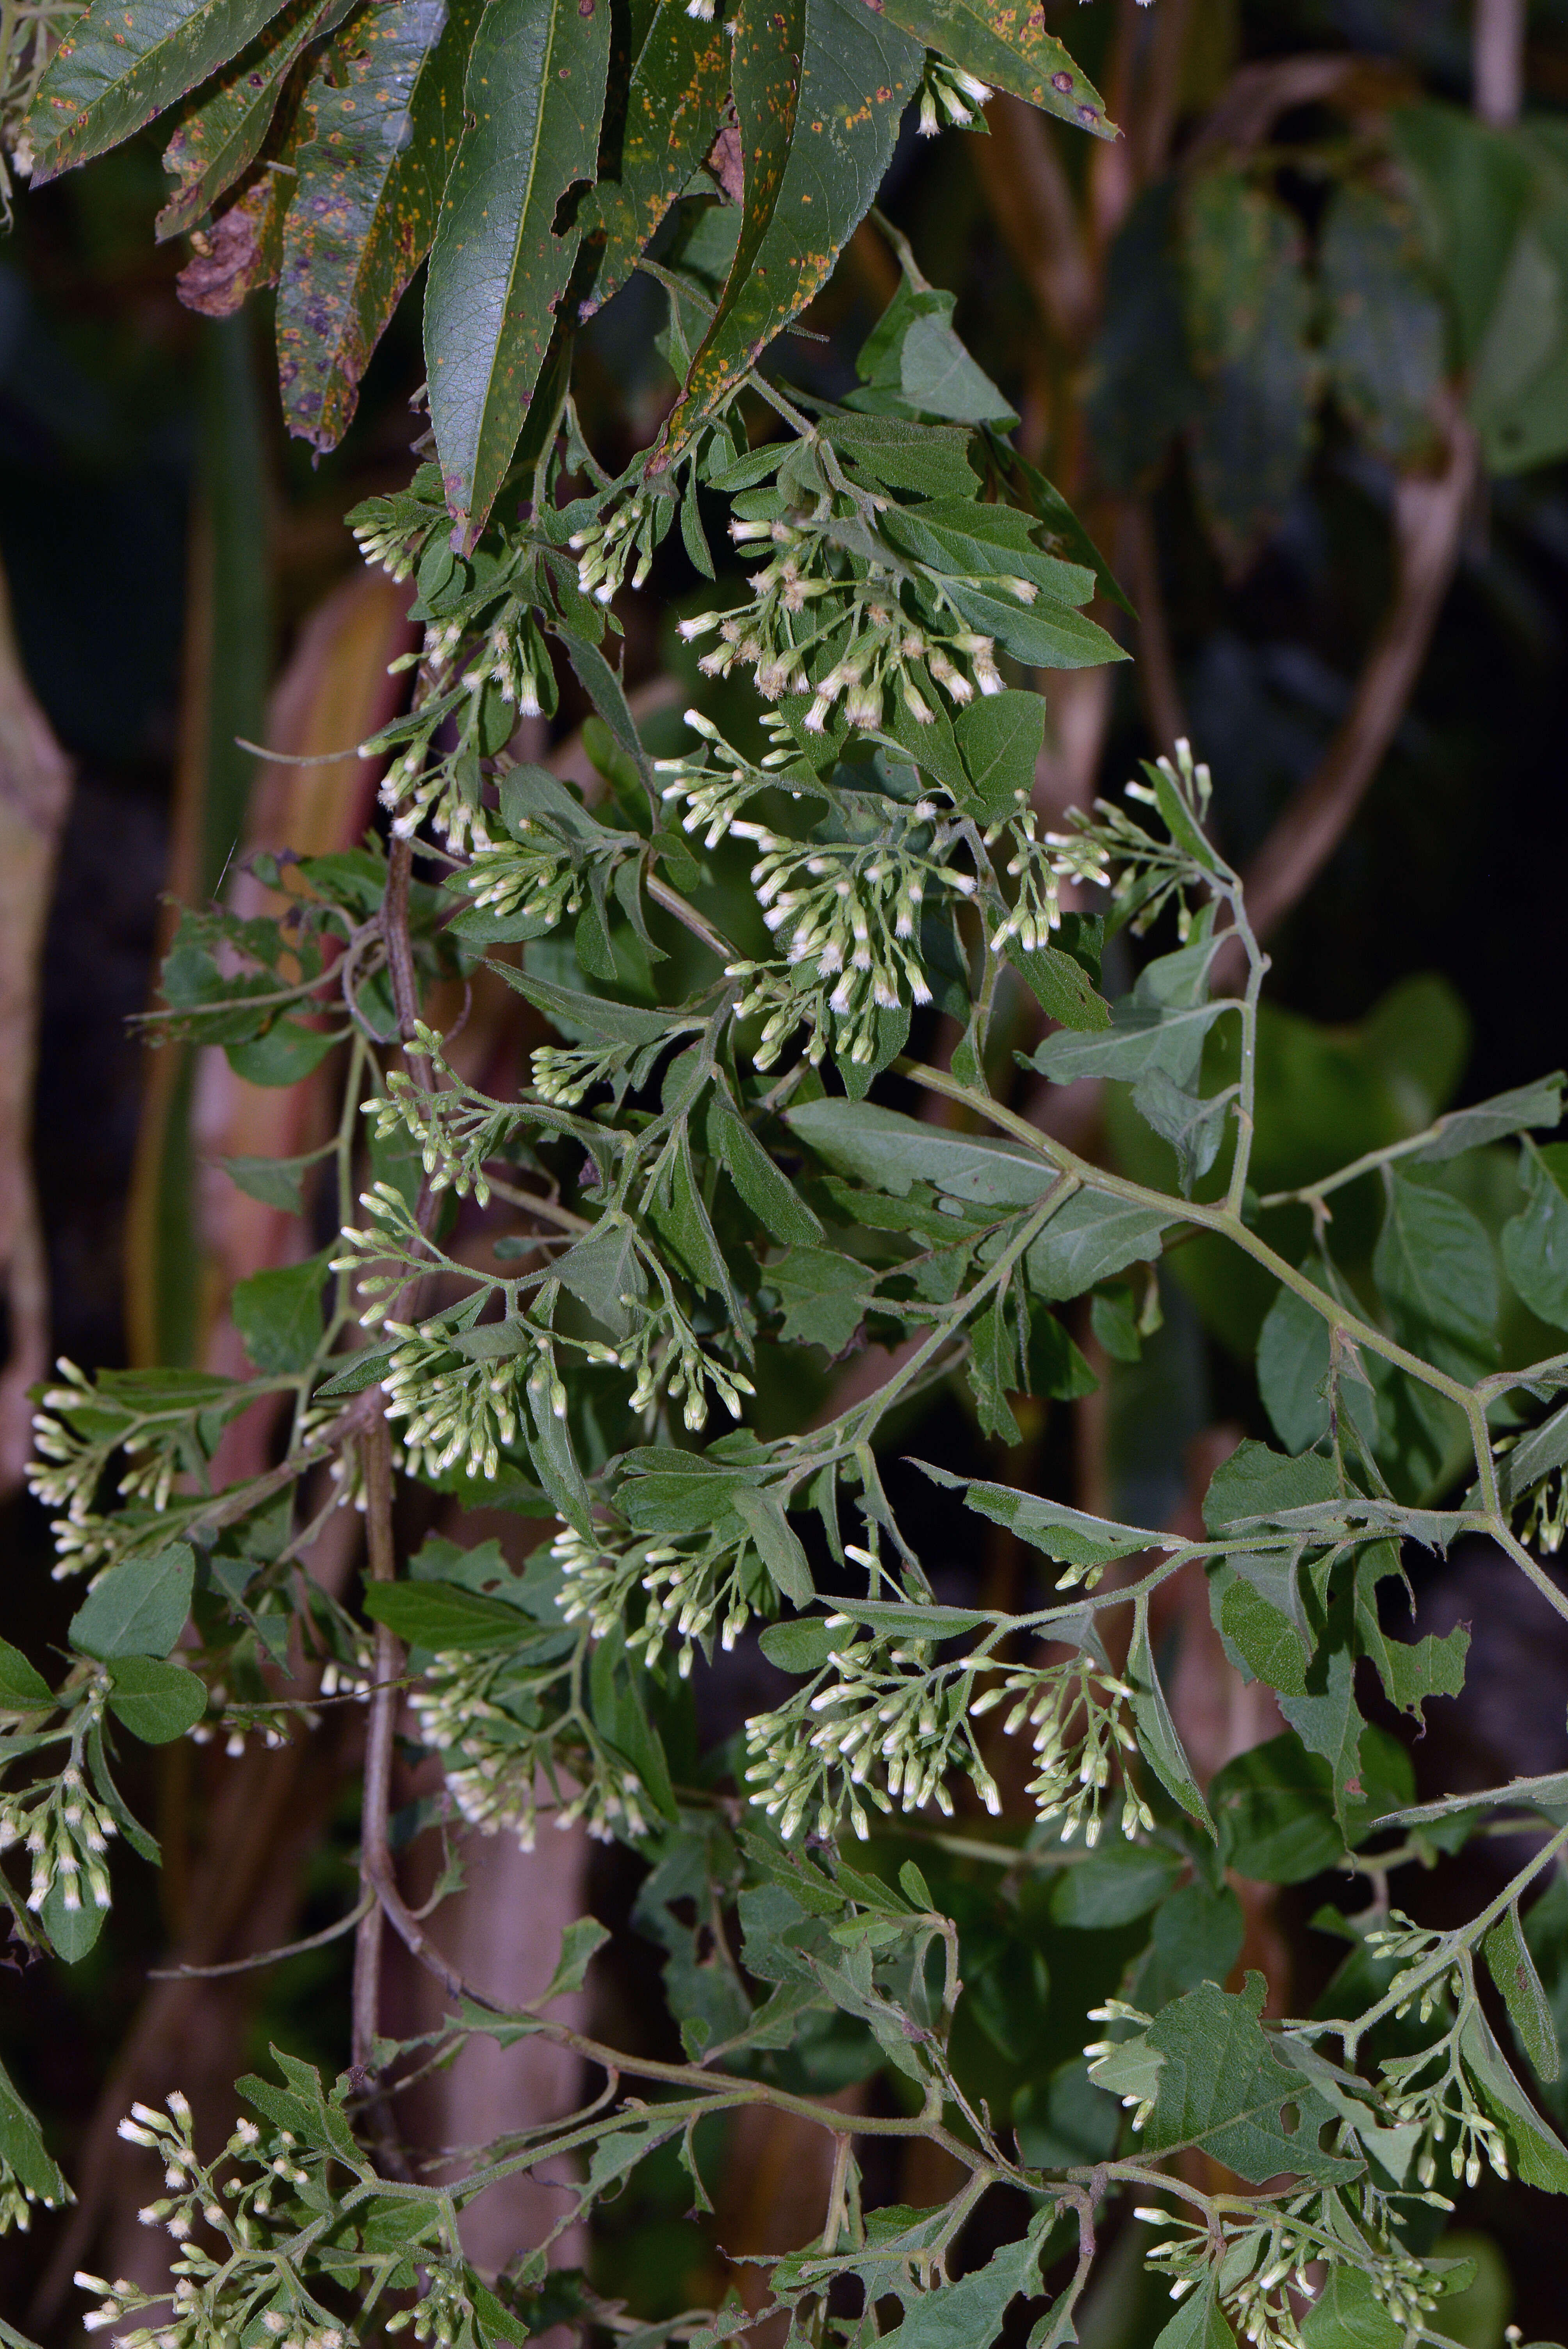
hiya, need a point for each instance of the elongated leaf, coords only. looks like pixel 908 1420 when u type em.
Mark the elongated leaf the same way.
pixel 819 88
pixel 589 1018
pixel 1008 47
pixel 1156 1732
pixel 442 1615
pixel 1199 2323
pixel 1068 1534
pixel 1535 1242
pixel 1512 1969
pixel 383 129
pixel 1434 1265
pixel 120 68
pixel 21 1690
pixel 533 96
pixel 223 137
pixel 1549 1793
pixel 677 93
pixel 890 1150
pixel 22 2148
pixel 1092 1237
pixel 770 1197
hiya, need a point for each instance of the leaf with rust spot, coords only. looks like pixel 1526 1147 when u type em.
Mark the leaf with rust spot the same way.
pixel 534 97
pixel 242 246
pixel 677 94
pixel 382 128
pixel 121 67
pixel 819 88
pixel 223 137
pixel 1005 43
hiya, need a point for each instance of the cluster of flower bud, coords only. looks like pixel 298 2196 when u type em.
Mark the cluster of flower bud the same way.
pixel 802 601
pixel 387 544
pixel 469 1407
pixel 1036 910
pixel 1431 2090
pixel 1111 851
pixel 607 548
pixel 385 1254
pixel 1262 2259
pixel 948 95
pixel 537 876
pixel 486 1718
pixel 460 668
pixel 65 1831
pixel 71 1465
pixel 455 1130
pixel 714 793
pixel 888 1729
pixel 1074 1709
pixel 690 1582
pixel 666 1358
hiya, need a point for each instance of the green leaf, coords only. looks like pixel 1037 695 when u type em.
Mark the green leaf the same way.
pixel 580 1943
pixel 891 1151
pixel 1011 49
pixel 1348 2315
pixel 221 137
pixel 800 1647
pixel 1412 1670
pixel 1059 984
pixel 72 1931
pixel 590 1018
pixel 1001 735
pixel 1093 1235
pixel 1505 1114
pixel 994 1371
pixel 274 1181
pixel 1222 2087
pixel 1535 1242
pixel 819 88
pixel 157 1702
pixel 21 1690
pixel 1271 1645
pixel 1116 1883
pixel 1275 1806
pixel 1161 1025
pixel 673 103
pixel 968 2315
pixel 533 96
pixel 278 1314
pixel 383 127
pixel 1254 1485
pixel 1294 1357
pixel 1199 2323
pixel 138 1609
pixel 442 1616
pixel 117 69
pixel 1539 2158
pixel 1512 1969
pixel 1325 1717
pixel 824 1296
pixel 778 1548
pixel 22 2148
pixel 911 359
pixel 1068 1534
pixel 287 1052
pixel 771 1197
pixel 1157 1737
pixel 1433 1265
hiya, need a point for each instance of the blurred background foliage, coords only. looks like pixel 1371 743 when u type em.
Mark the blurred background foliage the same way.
pixel 1298 351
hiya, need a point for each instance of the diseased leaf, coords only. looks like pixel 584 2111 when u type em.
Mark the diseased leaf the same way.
pixel 968 2315
pixel 1412 1670
pixel 381 130
pixel 1386 347
pixel 118 68
pixel 1221 2087
pixel 223 136
pixel 673 103
pixel 533 96
pixel 819 88
pixel 1008 47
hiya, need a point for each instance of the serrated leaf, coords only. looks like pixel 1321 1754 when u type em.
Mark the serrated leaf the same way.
pixel 120 68
pixel 776 1543
pixel 1347 2314
pixel 223 137
pixel 278 1314
pixel 156 1702
pixel 1001 735
pixel 674 101
pixel 968 2315
pixel 1275 1806
pixel 383 126
pixel 1512 1969
pixel 819 88
pixel 824 1296
pixel 1270 1644
pixel 1222 2087
pixel 138 1609
pixel 1412 1670
pixel 533 96
pixel 442 1616
pixel 586 1019
pixel 1009 47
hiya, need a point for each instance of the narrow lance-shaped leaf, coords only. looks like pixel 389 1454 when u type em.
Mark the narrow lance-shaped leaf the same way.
pixel 819 88
pixel 1008 47
pixel 382 132
pixel 121 67
pixel 677 90
pixel 533 96
pixel 223 137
